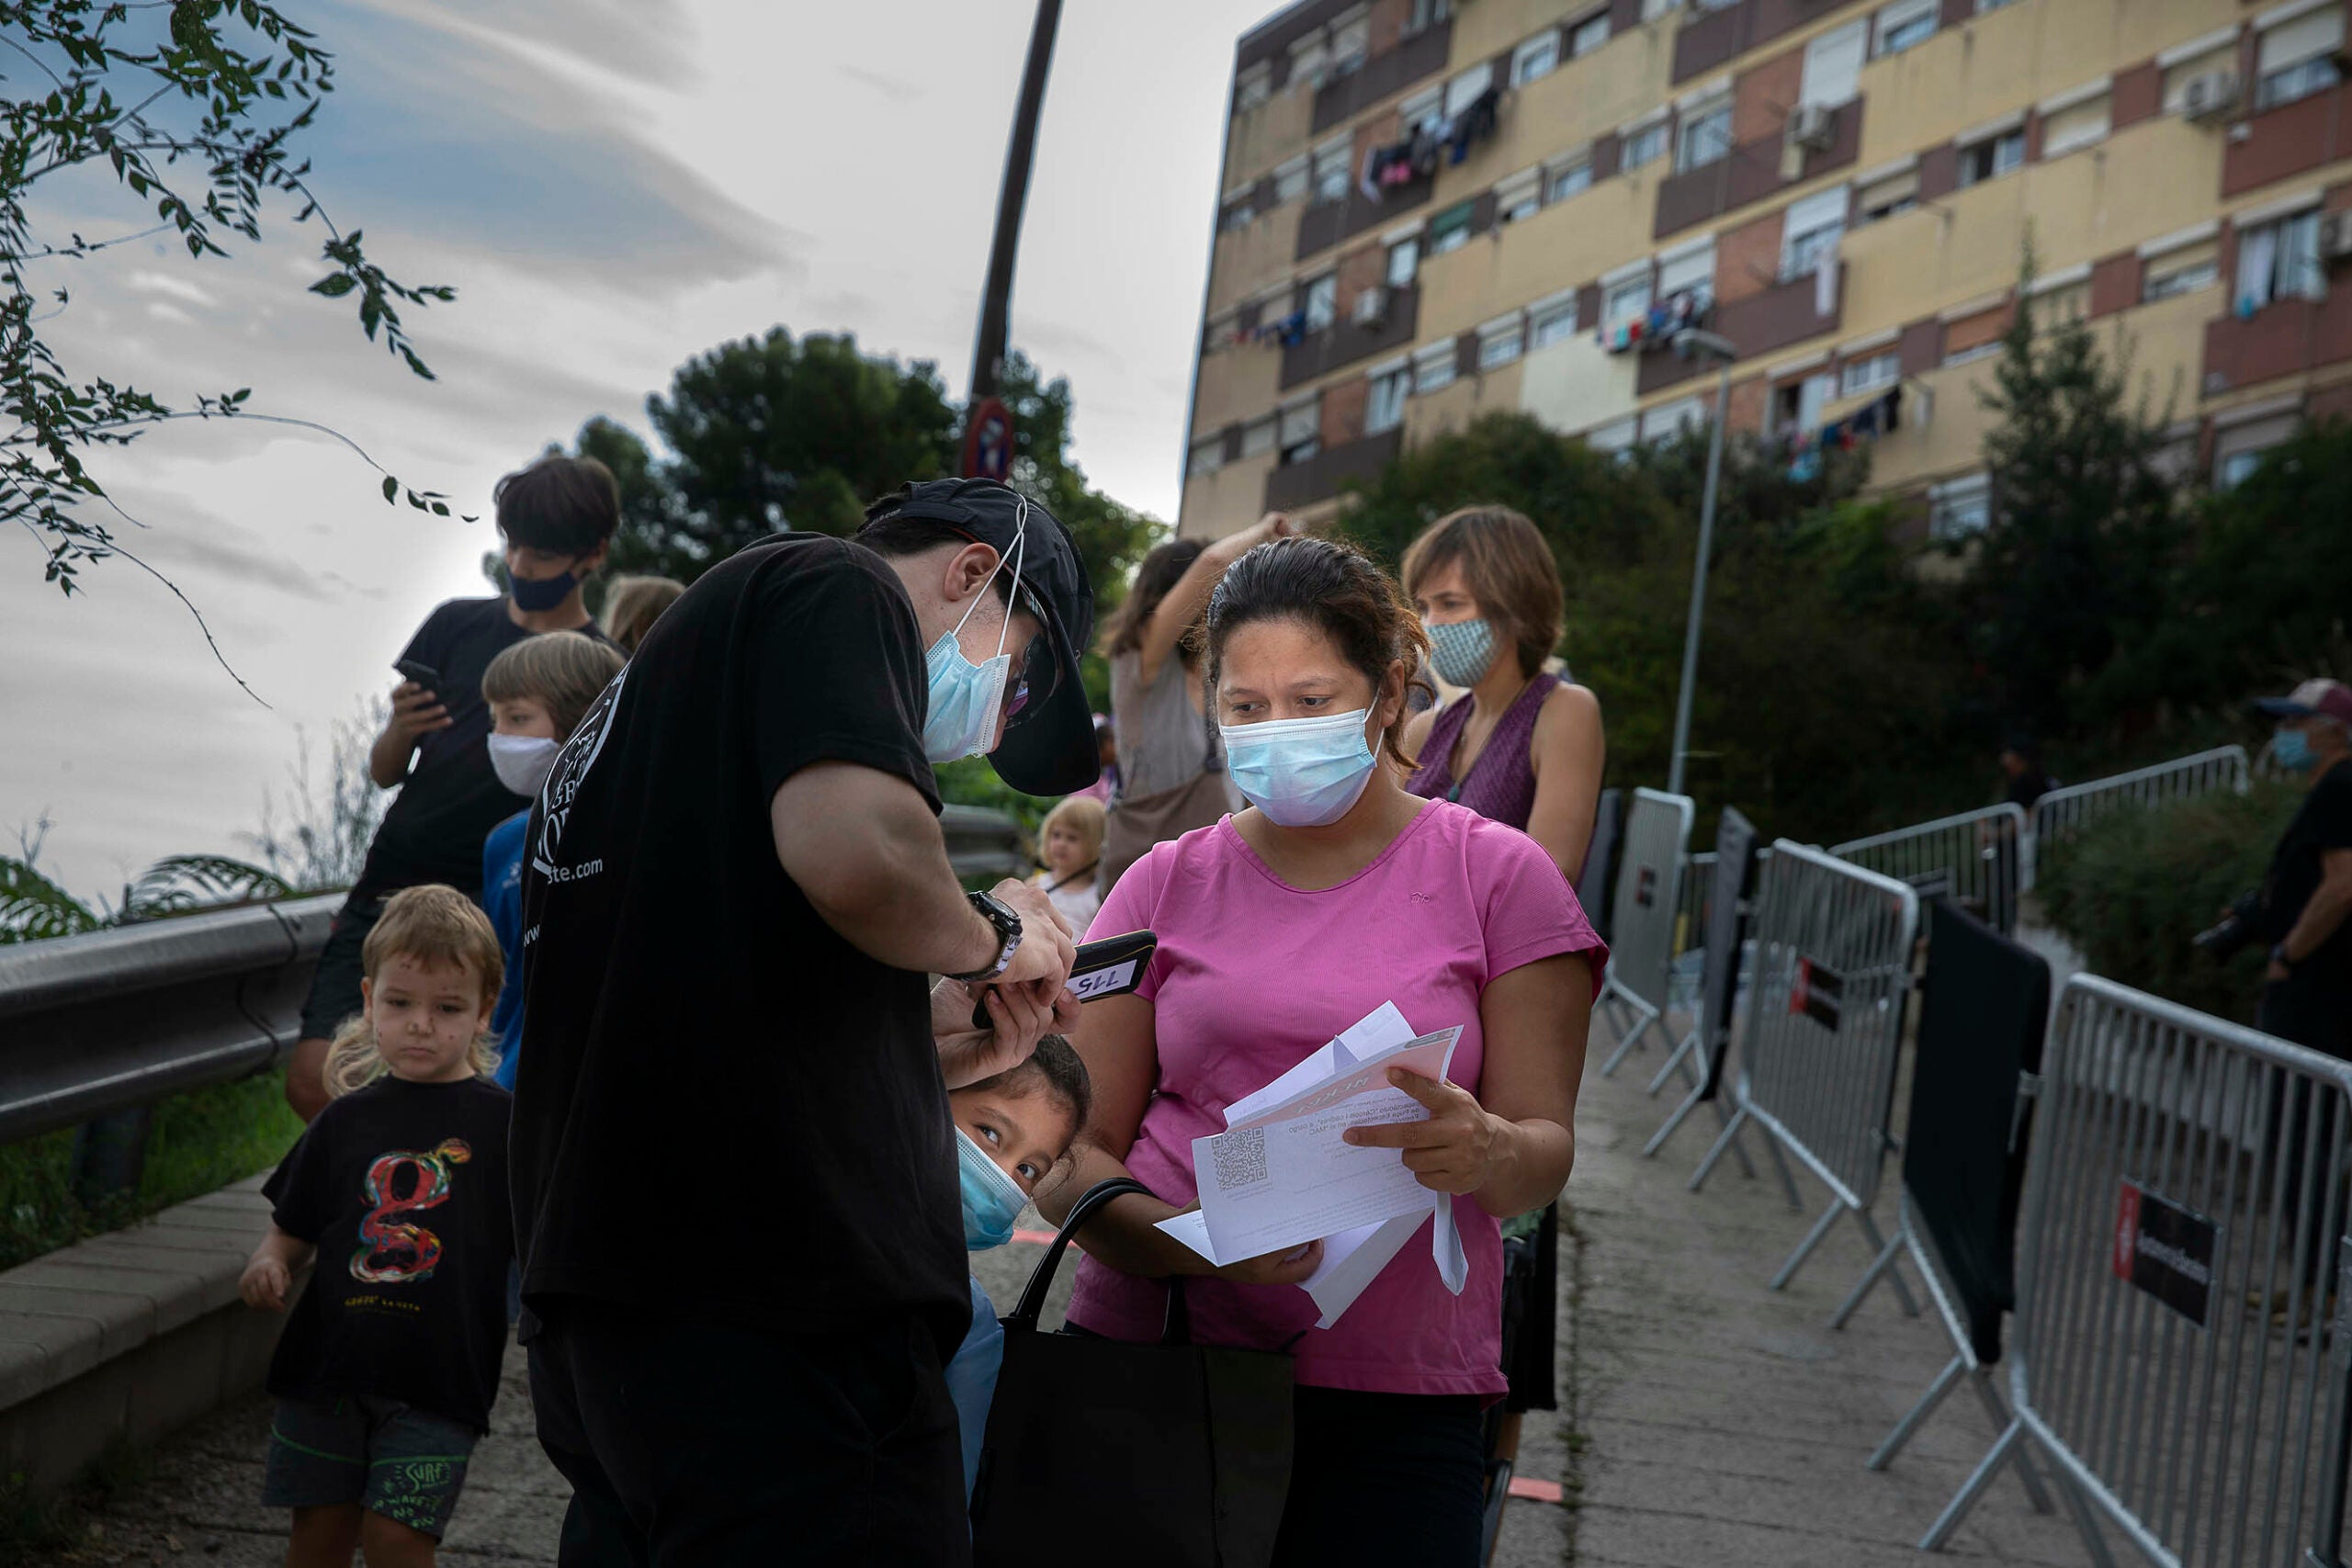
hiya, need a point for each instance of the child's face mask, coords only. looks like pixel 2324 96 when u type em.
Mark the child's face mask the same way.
pixel 992 1200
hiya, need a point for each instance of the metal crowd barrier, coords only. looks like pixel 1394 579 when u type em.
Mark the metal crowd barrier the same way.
pixel 1600 858
pixel 1824 1025
pixel 1641 926
pixel 1691 907
pixel 2059 813
pixel 2177 1357
pixel 1975 858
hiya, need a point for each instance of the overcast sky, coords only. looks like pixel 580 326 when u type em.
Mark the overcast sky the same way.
pixel 612 186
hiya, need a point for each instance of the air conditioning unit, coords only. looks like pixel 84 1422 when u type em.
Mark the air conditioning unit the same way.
pixel 1812 127
pixel 2335 237
pixel 2209 95
pixel 1371 307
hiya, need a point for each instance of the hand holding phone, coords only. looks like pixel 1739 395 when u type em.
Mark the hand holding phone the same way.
pixel 417 708
pixel 1110 967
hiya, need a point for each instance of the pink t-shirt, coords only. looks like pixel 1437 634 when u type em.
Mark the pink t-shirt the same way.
pixel 1251 976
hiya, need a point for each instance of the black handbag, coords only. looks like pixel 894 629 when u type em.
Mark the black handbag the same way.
pixel 1179 1453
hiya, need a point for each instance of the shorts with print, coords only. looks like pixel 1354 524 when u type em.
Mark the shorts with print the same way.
pixel 393 1459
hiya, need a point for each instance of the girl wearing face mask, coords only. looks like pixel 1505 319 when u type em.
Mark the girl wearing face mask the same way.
pixel 1278 927
pixel 1521 746
pixel 538 692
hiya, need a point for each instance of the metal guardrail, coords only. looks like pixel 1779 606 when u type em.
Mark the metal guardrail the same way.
pixel 1974 857
pixel 2061 811
pixel 115 1020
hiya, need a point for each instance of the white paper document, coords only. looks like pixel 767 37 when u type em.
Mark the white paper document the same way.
pixel 1280 1174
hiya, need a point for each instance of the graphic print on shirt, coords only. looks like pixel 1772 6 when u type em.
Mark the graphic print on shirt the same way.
pixel 553 807
pixel 395 1253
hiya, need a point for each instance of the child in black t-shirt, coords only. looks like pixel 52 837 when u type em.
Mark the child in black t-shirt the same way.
pixel 390 1362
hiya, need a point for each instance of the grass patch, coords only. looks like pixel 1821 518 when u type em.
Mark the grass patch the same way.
pixel 200 1141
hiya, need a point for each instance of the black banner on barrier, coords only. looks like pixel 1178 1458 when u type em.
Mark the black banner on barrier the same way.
pixel 1600 859
pixel 1724 922
pixel 1819 994
pixel 2165 1249
pixel 1645 886
pixel 1981 1024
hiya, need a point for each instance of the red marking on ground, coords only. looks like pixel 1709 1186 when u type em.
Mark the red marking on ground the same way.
pixel 1042 1238
pixel 1534 1491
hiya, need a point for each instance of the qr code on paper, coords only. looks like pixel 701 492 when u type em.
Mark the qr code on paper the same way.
pixel 1240 1157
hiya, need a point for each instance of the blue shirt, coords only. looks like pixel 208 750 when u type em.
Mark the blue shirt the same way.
pixel 971 1380
pixel 501 900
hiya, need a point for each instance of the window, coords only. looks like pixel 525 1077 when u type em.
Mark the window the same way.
pixel 1886 198
pixel 1553 323
pixel 1463 90
pixel 2063 302
pixel 1623 300
pixel 1351 41
pixel 2279 260
pixel 1291 180
pixel 1258 438
pixel 1566 179
pixel 1404 261
pixel 1643 146
pixel 2183 271
pixel 1811 232
pixel 1705 136
pixel 1958 508
pixel 2238 449
pixel 1449 230
pixel 1322 305
pixel 1653 9
pixel 1669 420
pixel 2296 57
pixel 1797 406
pixel 2078 124
pixel 1535 59
pixel 1310 58
pixel 1869 373
pixel 1832 63
pixel 1302 431
pixel 1427 14
pixel 2198 60
pixel 1984 5
pixel 1518 197
pixel 1332 178
pixel 1588 35
pixel 1207 457
pixel 1904 23
pixel 1420 109
pixel 1384 410
pixel 1970 356
pixel 1993 156
pixel 1614 439
pixel 1433 368
pixel 1253 86
pixel 1977 334
pixel 1217 335
pixel 1238 216
pixel 1691 267
pixel 1500 342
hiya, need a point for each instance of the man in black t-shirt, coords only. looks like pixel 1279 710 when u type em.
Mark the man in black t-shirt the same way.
pixel 556 517
pixel 2307 894
pixel 735 1177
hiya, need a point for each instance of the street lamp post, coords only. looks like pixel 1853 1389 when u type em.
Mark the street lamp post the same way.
pixel 996 297
pixel 1688 342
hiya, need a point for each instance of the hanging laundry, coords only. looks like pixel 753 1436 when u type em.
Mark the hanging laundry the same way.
pixel 1825 280
pixel 1474 126
pixel 1368 180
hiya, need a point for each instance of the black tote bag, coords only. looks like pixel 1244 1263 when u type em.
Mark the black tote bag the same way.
pixel 1178 1452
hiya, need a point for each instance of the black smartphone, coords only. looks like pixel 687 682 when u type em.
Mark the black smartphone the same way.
pixel 424 675
pixel 1110 967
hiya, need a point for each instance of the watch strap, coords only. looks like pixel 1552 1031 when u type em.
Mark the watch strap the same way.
pixel 1008 929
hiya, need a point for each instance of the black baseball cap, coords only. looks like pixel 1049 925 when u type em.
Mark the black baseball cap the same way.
pixel 1048 747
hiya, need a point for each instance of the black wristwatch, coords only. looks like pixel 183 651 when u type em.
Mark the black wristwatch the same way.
pixel 1008 932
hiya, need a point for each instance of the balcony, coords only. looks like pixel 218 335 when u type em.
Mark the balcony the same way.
pixel 1344 343
pixel 1756 325
pixel 2285 337
pixel 1328 223
pixel 1751 173
pixel 1342 99
pixel 1321 476
pixel 2280 142
pixel 1708 39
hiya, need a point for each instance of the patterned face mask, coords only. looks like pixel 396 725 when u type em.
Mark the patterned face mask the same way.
pixel 1462 651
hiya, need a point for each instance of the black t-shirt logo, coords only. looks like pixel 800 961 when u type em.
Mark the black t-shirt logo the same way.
pixel 571 766
pixel 404 1254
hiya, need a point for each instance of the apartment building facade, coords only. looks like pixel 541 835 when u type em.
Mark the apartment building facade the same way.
pixel 1437 207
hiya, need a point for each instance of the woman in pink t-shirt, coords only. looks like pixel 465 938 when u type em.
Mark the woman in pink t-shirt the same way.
pixel 1278 927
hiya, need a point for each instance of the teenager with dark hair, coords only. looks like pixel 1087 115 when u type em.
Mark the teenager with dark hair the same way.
pixel 1280 926
pixel 1171 778
pixel 557 518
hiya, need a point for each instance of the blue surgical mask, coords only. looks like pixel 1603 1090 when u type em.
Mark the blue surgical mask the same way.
pixel 537 594
pixel 1302 772
pixel 966 697
pixel 992 1200
pixel 1462 651
pixel 2291 750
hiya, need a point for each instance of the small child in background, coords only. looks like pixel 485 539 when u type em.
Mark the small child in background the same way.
pixel 1009 1130
pixel 1072 836
pixel 537 693
pixel 390 1362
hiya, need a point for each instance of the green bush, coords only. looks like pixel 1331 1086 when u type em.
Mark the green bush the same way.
pixel 2132 887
